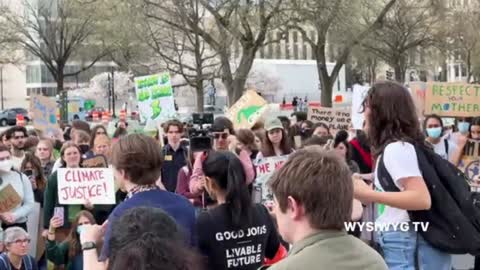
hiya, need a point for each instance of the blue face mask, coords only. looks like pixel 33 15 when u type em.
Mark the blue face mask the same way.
pixel 463 127
pixel 434 133
pixel 79 229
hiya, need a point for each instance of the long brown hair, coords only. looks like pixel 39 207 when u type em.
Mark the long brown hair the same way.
pixel 34 161
pixel 267 146
pixel 73 239
pixel 393 116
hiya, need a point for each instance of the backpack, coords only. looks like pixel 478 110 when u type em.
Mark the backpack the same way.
pixel 454 220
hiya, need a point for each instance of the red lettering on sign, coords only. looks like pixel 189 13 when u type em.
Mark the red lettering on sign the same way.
pixel 264 168
pixel 279 164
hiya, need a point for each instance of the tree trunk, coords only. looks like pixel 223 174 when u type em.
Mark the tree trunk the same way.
pixel 399 73
pixel 235 86
pixel 200 96
pixel 62 93
pixel 326 85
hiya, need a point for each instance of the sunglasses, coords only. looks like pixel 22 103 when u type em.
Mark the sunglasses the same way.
pixel 220 135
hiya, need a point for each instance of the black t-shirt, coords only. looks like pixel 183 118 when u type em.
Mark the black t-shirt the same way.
pixel 244 249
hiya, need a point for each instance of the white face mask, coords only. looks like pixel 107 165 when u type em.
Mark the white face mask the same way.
pixel 6 165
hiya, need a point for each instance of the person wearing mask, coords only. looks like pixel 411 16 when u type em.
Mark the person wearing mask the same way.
pixel 465 126
pixel 306 130
pixel 235 223
pixel 276 142
pixel 132 249
pixel 312 220
pixel 17 243
pixel 44 152
pixel 17 216
pixel 223 136
pixel 71 158
pixel 32 168
pixel 17 136
pixel 342 148
pixel 174 154
pixel 321 130
pixel 393 127
pixel 433 127
pixel 137 164
pixel 68 252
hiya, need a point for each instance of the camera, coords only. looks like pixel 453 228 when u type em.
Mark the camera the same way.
pixel 200 139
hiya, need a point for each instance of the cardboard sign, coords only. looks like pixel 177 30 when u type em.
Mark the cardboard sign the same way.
pixel 452 99
pixel 265 169
pixel 470 162
pixel 98 161
pixel 335 119
pixel 44 111
pixel 418 90
pixel 359 94
pixel 155 97
pixel 76 186
pixel 247 110
pixel 9 199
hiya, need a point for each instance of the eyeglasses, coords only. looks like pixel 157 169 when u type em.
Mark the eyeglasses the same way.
pixel 217 136
pixel 22 241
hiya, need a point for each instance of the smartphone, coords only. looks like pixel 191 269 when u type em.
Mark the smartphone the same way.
pixel 59 212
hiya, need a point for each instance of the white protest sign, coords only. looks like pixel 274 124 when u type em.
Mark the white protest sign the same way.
pixel 359 94
pixel 77 185
pixel 265 168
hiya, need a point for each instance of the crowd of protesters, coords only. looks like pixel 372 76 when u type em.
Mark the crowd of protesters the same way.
pixel 184 207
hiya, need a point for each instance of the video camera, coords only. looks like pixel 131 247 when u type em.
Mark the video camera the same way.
pixel 199 134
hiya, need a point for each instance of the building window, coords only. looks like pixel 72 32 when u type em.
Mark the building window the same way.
pixel 305 51
pixel 295 45
pixel 270 47
pixel 457 71
pixel 287 45
pixel 278 49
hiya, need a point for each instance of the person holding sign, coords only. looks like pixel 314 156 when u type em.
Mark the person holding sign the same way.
pixel 70 155
pixel 472 134
pixel 17 198
pixel 276 142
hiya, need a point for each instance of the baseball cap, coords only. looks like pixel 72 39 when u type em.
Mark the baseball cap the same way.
pixel 273 123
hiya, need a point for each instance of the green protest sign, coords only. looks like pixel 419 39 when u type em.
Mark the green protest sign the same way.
pixel 452 99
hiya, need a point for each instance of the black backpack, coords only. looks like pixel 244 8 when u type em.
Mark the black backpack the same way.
pixel 454 220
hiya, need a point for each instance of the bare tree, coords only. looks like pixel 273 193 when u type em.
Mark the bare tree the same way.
pixel 58 32
pixel 465 36
pixel 184 52
pixel 410 25
pixel 332 20
pixel 226 22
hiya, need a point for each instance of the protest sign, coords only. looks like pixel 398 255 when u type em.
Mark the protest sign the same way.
pixel 470 162
pixel 98 161
pixel 359 94
pixel 265 169
pixel 44 111
pixel 418 90
pixel 452 99
pixel 9 199
pixel 335 119
pixel 77 185
pixel 155 97
pixel 247 110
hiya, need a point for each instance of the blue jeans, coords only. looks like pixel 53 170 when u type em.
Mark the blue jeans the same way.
pixel 399 252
